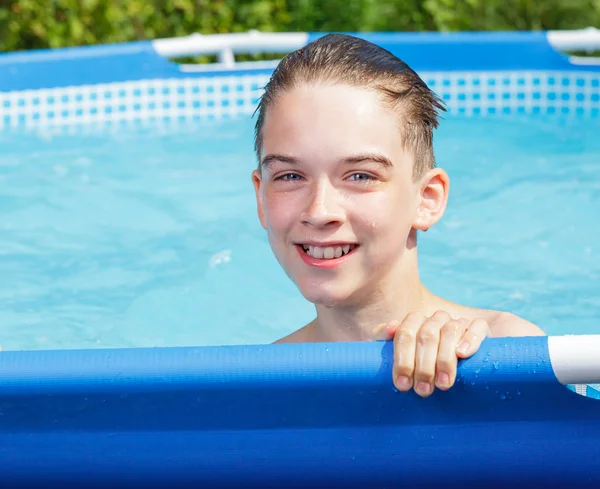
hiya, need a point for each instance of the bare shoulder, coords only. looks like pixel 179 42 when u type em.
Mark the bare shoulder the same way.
pixel 507 324
pixel 501 323
pixel 295 337
pixel 299 336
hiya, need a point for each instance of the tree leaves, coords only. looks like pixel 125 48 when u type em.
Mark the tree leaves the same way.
pixel 29 24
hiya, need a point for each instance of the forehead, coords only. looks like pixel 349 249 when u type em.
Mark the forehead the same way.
pixel 330 120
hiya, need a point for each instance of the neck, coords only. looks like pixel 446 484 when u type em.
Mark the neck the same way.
pixel 395 297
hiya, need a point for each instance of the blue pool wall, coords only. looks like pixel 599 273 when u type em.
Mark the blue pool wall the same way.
pixel 475 74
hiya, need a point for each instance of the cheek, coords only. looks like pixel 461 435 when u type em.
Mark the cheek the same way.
pixel 279 209
pixel 388 214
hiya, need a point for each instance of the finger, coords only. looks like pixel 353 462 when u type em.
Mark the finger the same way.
pixel 428 340
pixel 450 335
pixel 472 338
pixel 385 331
pixel 404 350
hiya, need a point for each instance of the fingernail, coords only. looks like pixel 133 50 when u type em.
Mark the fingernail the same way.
pixel 403 381
pixel 423 388
pixel 464 347
pixel 443 378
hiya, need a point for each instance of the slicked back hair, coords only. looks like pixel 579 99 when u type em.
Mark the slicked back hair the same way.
pixel 344 59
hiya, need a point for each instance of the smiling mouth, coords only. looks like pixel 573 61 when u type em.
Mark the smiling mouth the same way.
pixel 329 252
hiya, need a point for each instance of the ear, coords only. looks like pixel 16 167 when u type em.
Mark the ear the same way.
pixel 434 189
pixel 260 206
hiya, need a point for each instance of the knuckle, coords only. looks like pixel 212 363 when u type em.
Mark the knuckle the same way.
pixel 441 316
pixel 425 375
pixel 453 327
pixel 469 334
pixel 480 324
pixel 445 364
pixel 404 336
pixel 464 321
pixel 393 324
pixel 403 369
pixel 414 317
pixel 428 334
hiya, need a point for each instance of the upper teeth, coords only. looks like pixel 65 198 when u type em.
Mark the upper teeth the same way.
pixel 329 252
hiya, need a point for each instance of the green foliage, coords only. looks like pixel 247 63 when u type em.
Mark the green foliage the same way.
pixel 29 24
pixel 452 15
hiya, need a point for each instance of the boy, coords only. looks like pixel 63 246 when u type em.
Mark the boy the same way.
pixel 346 178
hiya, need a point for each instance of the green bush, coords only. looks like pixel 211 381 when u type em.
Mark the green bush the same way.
pixel 29 24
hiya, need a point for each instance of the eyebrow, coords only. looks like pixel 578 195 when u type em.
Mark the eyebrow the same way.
pixel 377 158
pixel 268 160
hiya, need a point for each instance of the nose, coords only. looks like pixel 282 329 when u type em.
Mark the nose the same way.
pixel 324 206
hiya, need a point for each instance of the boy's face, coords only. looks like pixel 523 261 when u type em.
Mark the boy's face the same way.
pixel 334 179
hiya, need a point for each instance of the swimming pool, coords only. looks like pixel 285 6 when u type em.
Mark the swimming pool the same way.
pixel 146 238
pixel 127 219
pixel 128 214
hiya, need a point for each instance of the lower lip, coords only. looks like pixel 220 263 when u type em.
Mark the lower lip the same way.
pixel 317 263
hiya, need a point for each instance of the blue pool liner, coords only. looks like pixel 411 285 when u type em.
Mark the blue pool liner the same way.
pixel 302 415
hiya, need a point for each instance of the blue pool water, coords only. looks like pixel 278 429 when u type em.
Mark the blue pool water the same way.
pixel 150 238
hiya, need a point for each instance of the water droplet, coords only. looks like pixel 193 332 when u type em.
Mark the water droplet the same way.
pixel 518 393
pixel 485 359
pixel 432 437
pixel 353 456
pixel 476 371
pixel 488 354
pixel 502 396
pixel 496 365
pixel 472 382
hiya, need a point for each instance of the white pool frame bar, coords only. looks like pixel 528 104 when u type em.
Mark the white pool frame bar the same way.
pixel 226 46
pixel 575 358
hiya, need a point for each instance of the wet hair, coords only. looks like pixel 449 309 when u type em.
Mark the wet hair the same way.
pixel 340 58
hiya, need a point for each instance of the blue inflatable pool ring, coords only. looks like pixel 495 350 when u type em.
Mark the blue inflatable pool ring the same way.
pixel 306 415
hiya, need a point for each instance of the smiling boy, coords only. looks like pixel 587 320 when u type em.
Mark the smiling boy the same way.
pixel 346 179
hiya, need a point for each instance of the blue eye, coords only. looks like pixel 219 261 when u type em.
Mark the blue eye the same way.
pixel 289 177
pixel 361 177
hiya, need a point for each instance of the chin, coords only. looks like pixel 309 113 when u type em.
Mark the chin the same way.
pixel 325 295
